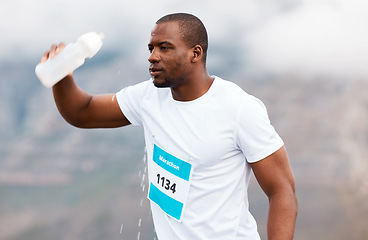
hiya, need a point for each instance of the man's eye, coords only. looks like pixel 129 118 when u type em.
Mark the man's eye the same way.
pixel 164 48
pixel 150 50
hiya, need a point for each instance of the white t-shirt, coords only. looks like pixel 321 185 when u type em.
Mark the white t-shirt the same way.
pixel 198 155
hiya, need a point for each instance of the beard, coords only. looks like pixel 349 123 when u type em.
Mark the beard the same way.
pixel 171 78
pixel 166 82
pixel 162 84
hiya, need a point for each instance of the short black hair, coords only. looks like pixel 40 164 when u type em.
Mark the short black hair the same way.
pixel 193 30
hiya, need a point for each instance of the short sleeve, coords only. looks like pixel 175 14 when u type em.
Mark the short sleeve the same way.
pixel 130 99
pixel 255 135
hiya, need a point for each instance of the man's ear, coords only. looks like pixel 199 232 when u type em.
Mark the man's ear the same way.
pixel 197 53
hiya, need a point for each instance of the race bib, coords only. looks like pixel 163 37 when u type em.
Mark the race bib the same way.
pixel 169 182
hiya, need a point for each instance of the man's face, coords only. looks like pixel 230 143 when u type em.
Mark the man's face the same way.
pixel 170 56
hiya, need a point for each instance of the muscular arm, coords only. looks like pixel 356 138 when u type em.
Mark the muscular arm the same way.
pixel 275 177
pixel 81 109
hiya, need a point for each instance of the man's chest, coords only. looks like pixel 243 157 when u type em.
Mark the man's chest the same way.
pixel 207 134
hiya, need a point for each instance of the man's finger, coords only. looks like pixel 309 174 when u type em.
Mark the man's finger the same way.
pixel 45 56
pixel 52 52
pixel 59 48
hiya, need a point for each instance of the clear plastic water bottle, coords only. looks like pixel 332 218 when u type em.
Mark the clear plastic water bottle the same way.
pixel 73 56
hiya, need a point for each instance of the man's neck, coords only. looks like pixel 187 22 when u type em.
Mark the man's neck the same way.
pixel 194 88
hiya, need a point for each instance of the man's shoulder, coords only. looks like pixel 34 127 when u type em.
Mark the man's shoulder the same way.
pixel 138 89
pixel 230 89
pixel 144 84
pixel 231 93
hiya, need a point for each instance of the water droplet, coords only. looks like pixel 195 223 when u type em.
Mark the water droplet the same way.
pixel 121 228
pixel 139 173
pixel 142 182
pixel 145 157
pixel 140 222
pixel 143 177
pixel 141 204
pixel 139 235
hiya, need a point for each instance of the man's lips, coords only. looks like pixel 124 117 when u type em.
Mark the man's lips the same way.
pixel 154 71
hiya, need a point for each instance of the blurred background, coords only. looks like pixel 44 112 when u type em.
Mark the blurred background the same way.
pixel 307 61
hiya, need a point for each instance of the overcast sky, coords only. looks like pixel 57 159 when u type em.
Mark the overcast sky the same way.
pixel 309 36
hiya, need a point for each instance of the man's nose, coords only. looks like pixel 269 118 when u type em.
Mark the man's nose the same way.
pixel 154 57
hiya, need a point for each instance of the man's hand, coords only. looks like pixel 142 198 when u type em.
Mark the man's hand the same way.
pixel 54 50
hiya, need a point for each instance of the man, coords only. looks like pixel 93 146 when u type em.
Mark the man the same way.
pixel 203 136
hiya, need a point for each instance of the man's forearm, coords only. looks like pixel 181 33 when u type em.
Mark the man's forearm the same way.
pixel 282 216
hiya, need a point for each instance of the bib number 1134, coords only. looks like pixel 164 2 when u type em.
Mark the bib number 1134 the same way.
pixel 165 183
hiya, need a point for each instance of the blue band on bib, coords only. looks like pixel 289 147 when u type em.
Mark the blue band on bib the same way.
pixel 166 203
pixel 171 163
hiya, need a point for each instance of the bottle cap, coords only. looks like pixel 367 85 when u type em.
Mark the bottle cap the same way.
pixel 92 41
